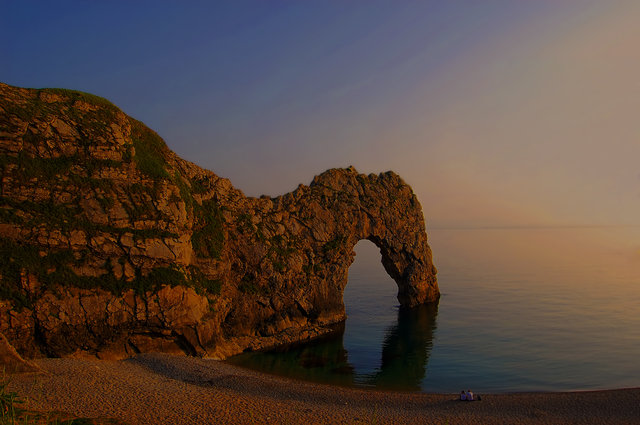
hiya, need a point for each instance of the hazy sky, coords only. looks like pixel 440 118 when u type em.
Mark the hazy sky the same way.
pixel 497 112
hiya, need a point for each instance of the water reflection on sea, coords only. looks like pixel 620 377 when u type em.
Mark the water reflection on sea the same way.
pixel 534 309
pixel 401 364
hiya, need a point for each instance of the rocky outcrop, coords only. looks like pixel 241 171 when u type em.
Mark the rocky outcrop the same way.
pixel 112 245
pixel 11 361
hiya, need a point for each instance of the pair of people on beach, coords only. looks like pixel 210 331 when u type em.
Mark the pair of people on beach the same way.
pixel 468 396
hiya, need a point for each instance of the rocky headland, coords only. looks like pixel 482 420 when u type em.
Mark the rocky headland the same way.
pixel 112 245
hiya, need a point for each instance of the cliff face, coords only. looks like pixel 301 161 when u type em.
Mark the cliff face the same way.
pixel 111 244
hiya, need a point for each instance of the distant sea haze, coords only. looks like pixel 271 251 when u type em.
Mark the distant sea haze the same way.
pixel 522 309
pixel 534 226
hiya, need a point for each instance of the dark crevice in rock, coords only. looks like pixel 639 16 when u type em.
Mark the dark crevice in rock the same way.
pixel 185 345
pixel 40 340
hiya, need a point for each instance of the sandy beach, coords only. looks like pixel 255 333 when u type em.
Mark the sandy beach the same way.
pixel 166 389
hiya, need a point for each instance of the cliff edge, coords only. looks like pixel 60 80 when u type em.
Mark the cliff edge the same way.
pixel 111 245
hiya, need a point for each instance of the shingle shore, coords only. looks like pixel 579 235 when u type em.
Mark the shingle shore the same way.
pixel 163 389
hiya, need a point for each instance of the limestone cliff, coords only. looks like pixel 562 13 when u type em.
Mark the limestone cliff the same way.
pixel 111 244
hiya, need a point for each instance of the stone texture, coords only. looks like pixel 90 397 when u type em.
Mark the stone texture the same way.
pixel 11 361
pixel 112 245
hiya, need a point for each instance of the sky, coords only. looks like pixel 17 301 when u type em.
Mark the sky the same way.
pixel 496 112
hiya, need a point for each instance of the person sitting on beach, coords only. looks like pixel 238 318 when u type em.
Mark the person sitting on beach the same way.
pixel 469 395
pixel 463 395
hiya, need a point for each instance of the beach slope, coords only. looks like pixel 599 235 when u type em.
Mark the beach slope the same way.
pixel 162 388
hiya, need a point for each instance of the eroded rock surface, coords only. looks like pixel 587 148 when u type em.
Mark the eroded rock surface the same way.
pixel 112 245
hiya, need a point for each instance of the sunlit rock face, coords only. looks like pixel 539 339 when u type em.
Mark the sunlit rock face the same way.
pixel 112 245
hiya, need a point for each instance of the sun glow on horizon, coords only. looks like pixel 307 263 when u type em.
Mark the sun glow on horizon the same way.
pixel 496 113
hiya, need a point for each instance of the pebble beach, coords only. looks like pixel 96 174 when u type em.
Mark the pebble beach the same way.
pixel 168 389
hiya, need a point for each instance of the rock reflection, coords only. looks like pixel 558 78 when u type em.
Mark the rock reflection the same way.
pixel 405 354
pixel 321 360
pixel 406 349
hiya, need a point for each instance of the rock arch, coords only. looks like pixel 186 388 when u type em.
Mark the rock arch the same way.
pixel 340 208
pixel 398 231
pixel 153 252
pixel 310 234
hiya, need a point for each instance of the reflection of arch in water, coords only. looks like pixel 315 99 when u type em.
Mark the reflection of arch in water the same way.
pixel 406 348
pixel 407 342
pixel 405 355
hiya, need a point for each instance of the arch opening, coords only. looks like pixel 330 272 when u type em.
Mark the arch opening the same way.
pixel 381 344
pixel 367 275
pixel 387 345
pixel 371 308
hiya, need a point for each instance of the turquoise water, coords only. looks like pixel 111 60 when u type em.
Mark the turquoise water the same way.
pixel 538 309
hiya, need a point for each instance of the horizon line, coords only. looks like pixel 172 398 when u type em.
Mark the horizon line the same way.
pixel 533 226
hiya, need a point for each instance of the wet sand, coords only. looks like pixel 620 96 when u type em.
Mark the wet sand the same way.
pixel 166 389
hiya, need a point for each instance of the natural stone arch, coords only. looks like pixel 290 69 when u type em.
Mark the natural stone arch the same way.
pixel 323 222
pixel 390 216
pixel 184 261
pixel 342 207
pixel 415 277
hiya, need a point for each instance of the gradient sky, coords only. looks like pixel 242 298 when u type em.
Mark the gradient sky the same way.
pixel 497 112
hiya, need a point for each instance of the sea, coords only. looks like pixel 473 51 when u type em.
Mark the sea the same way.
pixel 521 309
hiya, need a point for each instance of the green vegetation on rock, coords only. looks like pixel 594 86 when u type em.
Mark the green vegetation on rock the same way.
pixel 67 217
pixel 75 95
pixel 185 191
pixel 200 282
pixel 249 286
pixel 150 151
pixel 334 243
pixel 54 268
pixel 208 239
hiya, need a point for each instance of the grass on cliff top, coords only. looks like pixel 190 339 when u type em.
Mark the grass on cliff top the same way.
pixel 150 151
pixel 32 105
pixel 74 95
pixel 150 157
pixel 150 148
pixel 31 108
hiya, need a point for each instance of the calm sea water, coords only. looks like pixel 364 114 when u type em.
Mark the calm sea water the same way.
pixel 534 309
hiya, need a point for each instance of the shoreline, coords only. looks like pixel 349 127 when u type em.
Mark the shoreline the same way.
pixel 408 391
pixel 163 388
